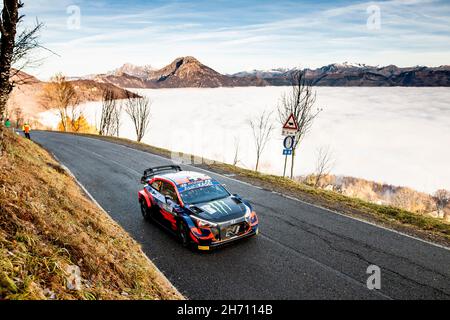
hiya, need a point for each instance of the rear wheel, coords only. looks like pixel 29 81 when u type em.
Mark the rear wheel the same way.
pixel 183 234
pixel 145 211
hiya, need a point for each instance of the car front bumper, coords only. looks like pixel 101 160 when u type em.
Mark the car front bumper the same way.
pixel 219 244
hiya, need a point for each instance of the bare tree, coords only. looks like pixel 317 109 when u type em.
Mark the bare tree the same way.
pixel 8 24
pixel 60 94
pixel 26 42
pixel 324 164
pixel 236 151
pixel 261 128
pixel 442 199
pixel 7 111
pixel 117 118
pixel 299 102
pixel 107 120
pixel 8 28
pixel 139 111
pixel 13 50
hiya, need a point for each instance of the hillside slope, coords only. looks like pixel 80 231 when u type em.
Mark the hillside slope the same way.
pixel 48 228
pixel 26 95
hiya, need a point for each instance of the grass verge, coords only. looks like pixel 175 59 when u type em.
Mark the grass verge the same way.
pixel 424 227
pixel 48 227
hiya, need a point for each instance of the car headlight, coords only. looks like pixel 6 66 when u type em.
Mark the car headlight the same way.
pixel 250 217
pixel 205 228
pixel 203 223
pixel 248 214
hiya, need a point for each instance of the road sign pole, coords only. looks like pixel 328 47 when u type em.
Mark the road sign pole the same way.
pixel 285 165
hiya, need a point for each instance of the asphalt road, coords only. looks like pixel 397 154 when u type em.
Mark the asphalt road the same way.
pixel 302 252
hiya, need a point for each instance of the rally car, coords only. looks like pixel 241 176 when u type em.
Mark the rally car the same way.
pixel 195 207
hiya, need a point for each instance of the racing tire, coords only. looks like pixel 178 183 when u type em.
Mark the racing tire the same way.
pixel 145 211
pixel 183 235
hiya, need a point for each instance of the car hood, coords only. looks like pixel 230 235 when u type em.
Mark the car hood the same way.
pixel 220 210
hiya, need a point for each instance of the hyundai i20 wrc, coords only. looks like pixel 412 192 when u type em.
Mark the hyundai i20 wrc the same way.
pixel 195 207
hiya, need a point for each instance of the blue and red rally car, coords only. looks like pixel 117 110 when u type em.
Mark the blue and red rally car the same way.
pixel 197 208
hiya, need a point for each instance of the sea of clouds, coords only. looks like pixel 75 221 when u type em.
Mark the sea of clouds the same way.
pixel 399 136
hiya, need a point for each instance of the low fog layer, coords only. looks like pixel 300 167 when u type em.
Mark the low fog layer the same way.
pixel 394 135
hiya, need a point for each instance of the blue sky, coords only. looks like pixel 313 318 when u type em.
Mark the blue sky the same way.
pixel 232 35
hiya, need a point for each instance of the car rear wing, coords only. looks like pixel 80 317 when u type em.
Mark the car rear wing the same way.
pixel 151 172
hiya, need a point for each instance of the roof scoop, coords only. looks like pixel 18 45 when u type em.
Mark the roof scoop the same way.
pixel 237 200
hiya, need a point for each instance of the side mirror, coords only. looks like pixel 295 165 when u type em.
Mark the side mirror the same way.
pixel 237 196
pixel 144 180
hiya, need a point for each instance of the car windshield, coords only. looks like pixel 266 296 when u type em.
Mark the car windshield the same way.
pixel 204 194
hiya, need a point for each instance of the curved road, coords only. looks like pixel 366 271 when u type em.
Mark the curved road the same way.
pixel 303 252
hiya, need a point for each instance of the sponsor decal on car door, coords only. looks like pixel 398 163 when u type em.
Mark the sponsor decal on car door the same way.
pixel 165 208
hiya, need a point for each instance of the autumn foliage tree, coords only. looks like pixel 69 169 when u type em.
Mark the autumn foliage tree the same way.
pixel 59 94
pixel 79 124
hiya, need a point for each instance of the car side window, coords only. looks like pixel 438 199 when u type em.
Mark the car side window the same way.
pixel 167 189
pixel 156 185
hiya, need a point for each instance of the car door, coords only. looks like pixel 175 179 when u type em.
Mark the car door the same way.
pixel 167 208
pixel 154 189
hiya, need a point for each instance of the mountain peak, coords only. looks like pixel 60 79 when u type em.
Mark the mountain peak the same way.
pixel 182 62
pixel 133 70
pixel 187 59
pixel 185 68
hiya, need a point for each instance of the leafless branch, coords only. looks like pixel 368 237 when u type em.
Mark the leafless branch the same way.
pixel 261 128
pixel 324 164
pixel 299 102
pixel 442 199
pixel 236 151
pixel 139 111
pixel 107 120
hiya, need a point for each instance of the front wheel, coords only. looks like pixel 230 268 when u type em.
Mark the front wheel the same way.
pixel 183 234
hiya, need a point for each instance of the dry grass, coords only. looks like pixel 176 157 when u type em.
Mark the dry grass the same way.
pixel 47 224
pixel 381 193
pixel 422 226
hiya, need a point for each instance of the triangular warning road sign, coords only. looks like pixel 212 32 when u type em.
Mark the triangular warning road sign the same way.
pixel 291 123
